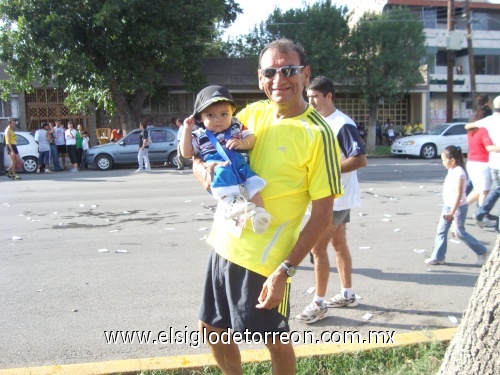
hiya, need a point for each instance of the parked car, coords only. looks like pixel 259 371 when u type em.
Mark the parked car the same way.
pixel 124 152
pixel 28 151
pixel 429 146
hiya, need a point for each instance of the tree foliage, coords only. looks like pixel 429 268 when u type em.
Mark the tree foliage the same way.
pixel 110 52
pixel 385 52
pixel 321 28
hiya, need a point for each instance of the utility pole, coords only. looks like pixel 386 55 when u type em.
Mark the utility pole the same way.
pixel 470 52
pixel 451 63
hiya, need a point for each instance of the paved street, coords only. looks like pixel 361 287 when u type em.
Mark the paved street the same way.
pixel 59 293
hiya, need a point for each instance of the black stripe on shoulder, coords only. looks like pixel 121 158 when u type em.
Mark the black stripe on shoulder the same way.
pixel 331 151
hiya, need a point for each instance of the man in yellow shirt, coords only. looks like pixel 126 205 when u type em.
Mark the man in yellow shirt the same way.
pixel 408 130
pixel 248 278
pixel 10 142
pixel 418 128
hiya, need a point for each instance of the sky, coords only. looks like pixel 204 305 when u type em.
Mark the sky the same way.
pixel 256 11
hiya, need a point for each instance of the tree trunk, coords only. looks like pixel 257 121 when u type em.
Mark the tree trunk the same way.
pixel 371 139
pixel 475 348
pixel 130 113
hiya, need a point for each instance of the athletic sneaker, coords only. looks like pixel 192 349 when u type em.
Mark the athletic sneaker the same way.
pixel 340 301
pixel 486 223
pixel 260 220
pixel 139 170
pixel 481 259
pixel 16 177
pixel 236 205
pixel 434 262
pixel 8 174
pixel 38 171
pixel 312 313
pixel 48 171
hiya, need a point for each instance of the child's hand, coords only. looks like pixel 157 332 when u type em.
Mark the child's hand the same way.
pixel 448 217
pixel 189 123
pixel 235 144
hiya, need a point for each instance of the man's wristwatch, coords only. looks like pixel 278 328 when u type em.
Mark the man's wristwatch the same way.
pixel 289 269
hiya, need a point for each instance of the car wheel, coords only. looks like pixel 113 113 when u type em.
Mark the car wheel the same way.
pixel 30 164
pixel 428 151
pixel 172 159
pixel 104 162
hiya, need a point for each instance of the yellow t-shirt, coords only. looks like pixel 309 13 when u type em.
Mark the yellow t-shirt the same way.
pixel 10 136
pixel 300 160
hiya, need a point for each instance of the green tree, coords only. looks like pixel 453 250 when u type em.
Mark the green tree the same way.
pixel 110 52
pixel 321 28
pixel 385 52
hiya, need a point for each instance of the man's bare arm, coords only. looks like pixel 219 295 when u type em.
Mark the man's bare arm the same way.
pixel 353 163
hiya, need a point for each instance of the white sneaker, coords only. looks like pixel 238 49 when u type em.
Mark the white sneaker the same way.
pixel 260 220
pixel 487 223
pixel 236 205
pixel 38 171
pixel 481 259
pixel 434 262
pixel 139 170
pixel 312 313
pixel 48 171
pixel 340 301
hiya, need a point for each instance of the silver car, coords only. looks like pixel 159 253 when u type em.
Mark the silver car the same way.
pixel 124 152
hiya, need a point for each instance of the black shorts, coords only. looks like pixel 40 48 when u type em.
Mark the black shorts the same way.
pixel 73 158
pixel 341 217
pixel 61 149
pixel 14 149
pixel 230 295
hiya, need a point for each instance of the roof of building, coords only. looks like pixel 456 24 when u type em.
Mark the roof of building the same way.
pixel 474 4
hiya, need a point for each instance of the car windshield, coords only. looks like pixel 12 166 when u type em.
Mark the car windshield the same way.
pixel 438 130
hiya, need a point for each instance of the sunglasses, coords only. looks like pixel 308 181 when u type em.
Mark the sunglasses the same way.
pixel 287 71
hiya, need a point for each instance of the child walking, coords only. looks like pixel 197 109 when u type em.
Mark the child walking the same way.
pixel 454 209
pixel 217 139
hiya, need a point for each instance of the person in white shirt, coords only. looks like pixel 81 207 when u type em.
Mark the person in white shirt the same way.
pixel 60 142
pixel 70 136
pixel 42 136
pixel 321 94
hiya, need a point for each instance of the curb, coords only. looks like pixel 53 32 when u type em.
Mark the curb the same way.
pixel 135 366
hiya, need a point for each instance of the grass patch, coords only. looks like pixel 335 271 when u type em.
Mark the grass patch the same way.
pixel 422 359
pixel 380 151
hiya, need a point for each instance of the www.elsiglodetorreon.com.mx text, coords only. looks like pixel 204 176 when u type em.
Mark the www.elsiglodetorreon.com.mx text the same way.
pixel 195 339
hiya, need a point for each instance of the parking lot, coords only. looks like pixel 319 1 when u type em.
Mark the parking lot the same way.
pixel 106 251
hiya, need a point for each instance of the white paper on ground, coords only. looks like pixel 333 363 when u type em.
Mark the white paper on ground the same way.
pixel 387 215
pixel 454 241
pixel 453 319
pixel 386 220
pixel 16 238
pixel 364 247
pixel 367 316
pixel 419 251
pixel 121 251
pixel 397 230
pixel 203 228
pixel 114 230
pixel 311 290
pixel 103 250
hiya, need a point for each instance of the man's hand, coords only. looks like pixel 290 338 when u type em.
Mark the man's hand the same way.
pixel 273 290
pixel 204 172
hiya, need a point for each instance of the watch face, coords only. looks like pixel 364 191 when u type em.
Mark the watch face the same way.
pixel 291 271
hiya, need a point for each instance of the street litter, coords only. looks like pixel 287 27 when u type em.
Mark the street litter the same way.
pixel 60 224
pixel 387 215
pixel 55 212
pixel 364 247
pixel 419 251
pixel 375 195
pixel 5 204
pixel 367 316
pixel 126 212
pixel 114 230
pixel 203 238
pixel 397 230
pixel 311 290
pixel 386 220
pixel 201 214
pixel 34 220
pixel 103 250
pixel 455 241
pixel 93 206
pixel 358 296
pixel 203 228
pixel 121 251
pixel 82 205
pixel 16 238
pixel 453 319
pixel 361 214
pixel 188 201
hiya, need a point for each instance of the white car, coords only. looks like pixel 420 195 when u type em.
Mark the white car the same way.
pixel 28 151
pixel 429 146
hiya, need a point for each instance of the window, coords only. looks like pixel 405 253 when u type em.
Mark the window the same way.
pixel 5 108
pixel 132 139
pixel 456 130
pixel 21 141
